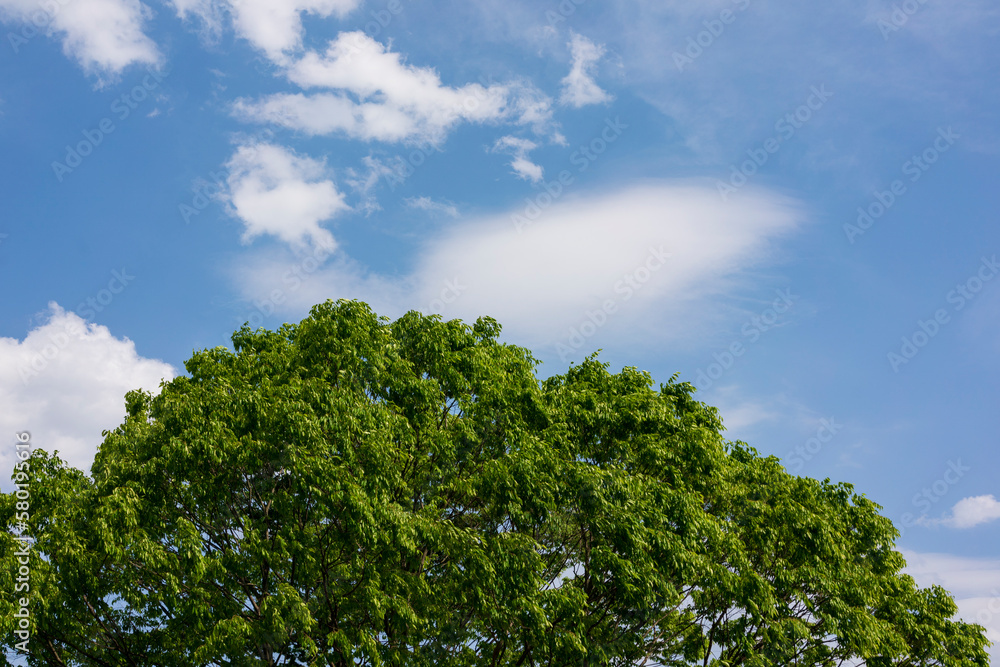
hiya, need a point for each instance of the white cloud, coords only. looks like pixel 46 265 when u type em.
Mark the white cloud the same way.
pixel 744 411
pixel 738 417
pixel 276 27
pixel 975 511
pixel 104 36
pixel 531 107
pixel 380 97
pixel 365 183
pixel 579 88
pixel 376 169
pixel 519 149
pixel 526 169
pixel 431 206
pixel 970 512
pixel 209 12
pixel 579 252
pixel 974 582
pixel 274 191
pixel 574 258
pixel 259 273
pixel 273 27
pixel 65 383
pixel 963 576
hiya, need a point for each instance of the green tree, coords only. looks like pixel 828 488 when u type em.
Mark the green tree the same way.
pixel 355 491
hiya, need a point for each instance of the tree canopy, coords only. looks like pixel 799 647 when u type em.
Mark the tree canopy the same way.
pixel 357 491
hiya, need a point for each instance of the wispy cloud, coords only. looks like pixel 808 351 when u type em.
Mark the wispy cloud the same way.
pixel 579 88
pixel 519 148
pixel 431 206
pixel 974 582
pixel 541 282
pixel 366 182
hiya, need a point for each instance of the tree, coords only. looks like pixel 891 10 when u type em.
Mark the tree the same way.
pixel 355 491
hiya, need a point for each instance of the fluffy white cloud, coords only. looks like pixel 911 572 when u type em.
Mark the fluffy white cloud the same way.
pixel 273 27
pixel 972 512
pixel 65 383
pixel 519 149
pixel 274 191
pixel 577 255
pixel 379 97
pixel 276 27
pixel 579 88
pixel 104 36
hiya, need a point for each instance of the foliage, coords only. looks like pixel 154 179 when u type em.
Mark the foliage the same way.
pixel 354 491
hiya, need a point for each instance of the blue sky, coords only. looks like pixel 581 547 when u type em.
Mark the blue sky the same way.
pixel 793 207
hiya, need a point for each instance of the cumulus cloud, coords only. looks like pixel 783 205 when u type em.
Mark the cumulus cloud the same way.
pixel 519 149
pixel 274 191
pixel 104 36
pixel 970 512
pixel 541 279
pixel 578 87
pixel 379 97
pixel 272 27
pixel 65 383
